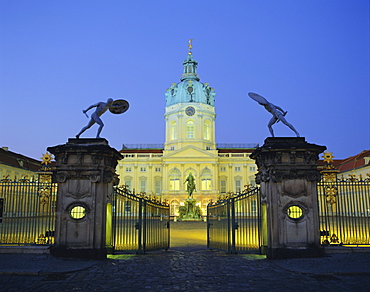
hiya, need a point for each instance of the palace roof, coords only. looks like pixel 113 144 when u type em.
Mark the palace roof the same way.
pixel 18 160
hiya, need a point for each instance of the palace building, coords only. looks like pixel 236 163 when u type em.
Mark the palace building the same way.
pixel 15 166
pixel 190 147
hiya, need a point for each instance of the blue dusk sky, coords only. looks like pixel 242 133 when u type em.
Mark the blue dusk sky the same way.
pixel 310 57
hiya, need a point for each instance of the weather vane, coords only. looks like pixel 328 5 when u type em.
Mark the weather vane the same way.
pixel 190 45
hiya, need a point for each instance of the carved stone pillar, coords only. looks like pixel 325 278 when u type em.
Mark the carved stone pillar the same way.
pixel 287 173
pixel 86 174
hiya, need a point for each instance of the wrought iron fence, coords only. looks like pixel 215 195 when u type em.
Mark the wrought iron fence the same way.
pixel 344 208
pixel 140 224
pixel 27 211
pixel 234 223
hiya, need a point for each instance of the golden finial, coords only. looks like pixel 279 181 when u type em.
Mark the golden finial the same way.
pixel 328 157
pixel 190 45
pixel 46 158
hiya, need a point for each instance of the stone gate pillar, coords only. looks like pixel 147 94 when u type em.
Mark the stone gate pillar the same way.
pixel 287 174
pixel 85 172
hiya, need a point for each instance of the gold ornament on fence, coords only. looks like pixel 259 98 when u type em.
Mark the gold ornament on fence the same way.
pixel 329 177
pixel 331 195
pixel 328 159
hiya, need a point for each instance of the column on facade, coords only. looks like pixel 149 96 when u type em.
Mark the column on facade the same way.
pixel 181 126
pixel 213 129
pixel 165 187
pixel 200 128
pixel 135 178
pixel 182 167
pixel 150 180
pixel 198 182
pixel 230 180
pixel 215 178
pixel 245 175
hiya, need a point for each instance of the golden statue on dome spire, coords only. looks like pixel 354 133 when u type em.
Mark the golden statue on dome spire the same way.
pixel 190 45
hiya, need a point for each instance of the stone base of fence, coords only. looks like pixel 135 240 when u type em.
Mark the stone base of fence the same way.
pixel 345 249
pixel 287 253
pixel 91 254
pixel 25 249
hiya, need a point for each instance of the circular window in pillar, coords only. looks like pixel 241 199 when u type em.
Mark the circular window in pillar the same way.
pixel 78 212
pixel 294 212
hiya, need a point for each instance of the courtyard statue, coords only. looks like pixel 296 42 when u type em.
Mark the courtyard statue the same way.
pixel 115 107
pixel 277 112
pixel 191 185
pixel 190 211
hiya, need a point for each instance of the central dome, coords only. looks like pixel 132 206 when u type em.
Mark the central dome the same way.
pixel 190 89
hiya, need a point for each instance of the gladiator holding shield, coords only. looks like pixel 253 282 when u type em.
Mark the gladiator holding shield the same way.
pixel 277 112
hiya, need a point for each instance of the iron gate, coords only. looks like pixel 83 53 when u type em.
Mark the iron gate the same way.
pixel 139 224
pixel 344 208
pixel 234 223
pixel 27 211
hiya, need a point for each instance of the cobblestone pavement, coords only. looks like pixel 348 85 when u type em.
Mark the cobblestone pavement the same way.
pixel 191 267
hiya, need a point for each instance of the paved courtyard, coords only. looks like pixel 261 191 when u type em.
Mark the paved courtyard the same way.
pixel 187 266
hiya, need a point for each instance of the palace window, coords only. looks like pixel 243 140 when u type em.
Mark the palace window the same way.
pixel 206 181
pixel 175 180
pixel 223 186
pixel 238 185
pixel 237 168
pixel 173 130
pixel 206 184
pixel 252 168
pixel 142 185
pixel 143 169
pixel 174 207
pixel 207 130
pixel 157 169
pixel 222 168
pixel 190 129
pixel 128 169
pixel 128 183
pixel 158 186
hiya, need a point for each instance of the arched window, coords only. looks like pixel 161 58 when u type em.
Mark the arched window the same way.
pixel 207 130
pixel 175 180
pixel 128 182
pixel 158 185
pixel 174 208
pixel 238 184
pixel 142 186
pixel 223 185
pixel 173 130
pixel 190 129
pixel 206 179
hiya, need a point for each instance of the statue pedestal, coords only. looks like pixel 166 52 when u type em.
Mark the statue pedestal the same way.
pixel 190 212
pixel 287 174
pixel 85 172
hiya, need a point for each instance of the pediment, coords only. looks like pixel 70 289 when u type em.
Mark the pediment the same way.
pixel 191 152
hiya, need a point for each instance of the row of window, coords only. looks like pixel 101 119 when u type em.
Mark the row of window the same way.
pixel 238 168
pixel 190 130
pixel 158 169
pixel 142 169
pixel 8 174
pixel 143 186
pixel 176 185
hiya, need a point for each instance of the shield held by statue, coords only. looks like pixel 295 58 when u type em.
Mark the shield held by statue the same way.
pixel 119 106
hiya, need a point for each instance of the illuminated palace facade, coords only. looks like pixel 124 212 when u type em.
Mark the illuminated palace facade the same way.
pixel 190 147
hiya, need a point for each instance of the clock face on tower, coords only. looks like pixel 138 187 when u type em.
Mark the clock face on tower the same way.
pixel 190 111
